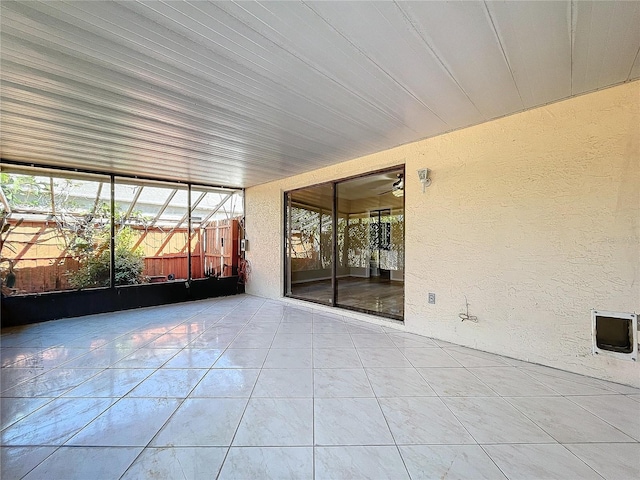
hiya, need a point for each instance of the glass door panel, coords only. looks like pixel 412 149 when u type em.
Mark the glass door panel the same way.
pixel 309 243
pixel 370 244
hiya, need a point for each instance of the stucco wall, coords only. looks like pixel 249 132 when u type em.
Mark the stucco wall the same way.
pixel 534 217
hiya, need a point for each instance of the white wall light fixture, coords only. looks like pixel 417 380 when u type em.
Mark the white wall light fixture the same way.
pixel 615 334
pixel 423 175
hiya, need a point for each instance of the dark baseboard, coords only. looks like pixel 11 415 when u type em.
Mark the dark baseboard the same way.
pixel 34 308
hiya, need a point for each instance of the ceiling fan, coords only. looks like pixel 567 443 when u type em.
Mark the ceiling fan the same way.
pixel 397 188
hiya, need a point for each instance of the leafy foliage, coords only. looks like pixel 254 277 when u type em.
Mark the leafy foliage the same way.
pixel 95 267
pixel 82 230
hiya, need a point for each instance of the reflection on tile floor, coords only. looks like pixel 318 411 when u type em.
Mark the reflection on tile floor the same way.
pixel 245 388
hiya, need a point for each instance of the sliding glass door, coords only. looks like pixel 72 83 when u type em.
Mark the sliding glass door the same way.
pixel 309 244
pixel 345 243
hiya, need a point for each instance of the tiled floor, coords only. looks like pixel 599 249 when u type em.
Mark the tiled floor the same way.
pixel 245 388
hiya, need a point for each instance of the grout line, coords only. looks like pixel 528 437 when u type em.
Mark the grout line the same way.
pixel 244 411
pixel 247 327
pixel 375 395
pixel 177 407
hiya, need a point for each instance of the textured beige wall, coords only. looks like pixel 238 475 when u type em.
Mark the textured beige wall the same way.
pixel 534 217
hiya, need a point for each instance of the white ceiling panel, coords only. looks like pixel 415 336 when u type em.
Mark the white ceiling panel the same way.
pixel 382 34
pixel 295 28
pixel 241 93
pixel 635 70
pixel 606 39
pixel 536 37
pixel 463 38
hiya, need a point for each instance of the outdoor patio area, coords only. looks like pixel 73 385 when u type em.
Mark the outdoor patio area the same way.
pixel 242 387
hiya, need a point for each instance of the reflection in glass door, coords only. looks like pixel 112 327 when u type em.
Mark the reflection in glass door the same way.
pixel 353 258
pixel 371 279
pixel 309 244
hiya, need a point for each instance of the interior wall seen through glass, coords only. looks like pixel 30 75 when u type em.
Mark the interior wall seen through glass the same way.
pixel 309 243
pixel 371 276
pixel 369 243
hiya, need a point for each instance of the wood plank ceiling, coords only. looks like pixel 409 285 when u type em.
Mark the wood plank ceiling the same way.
pixel 239 93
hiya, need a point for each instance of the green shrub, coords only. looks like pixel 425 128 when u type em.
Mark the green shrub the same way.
pixel 94 270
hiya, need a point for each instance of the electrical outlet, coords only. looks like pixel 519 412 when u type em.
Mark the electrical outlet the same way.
pixel 432 298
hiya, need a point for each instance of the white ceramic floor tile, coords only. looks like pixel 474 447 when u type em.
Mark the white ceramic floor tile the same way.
pixel 79 463
pixel 189 329
pixel 214 340
pixel 130 422
pixel 242 358
pixel 16 462
pixel 336 358
pixel 286 463
pixel 284 382
pixel 147 358
pixel 332 340
pixel 169 383
pixel 450 462
pixel 172 340
pixel 468 357
pixel 289 358
pixel 201 463
pixel 331 327
pixel 567 422
pixel 300 326
pixel 455 382
pixel 363 327
pixel 50 358
pixel 408 340
pixel 372 340
pixel 350 421
pixel 293 351
pixel 253 340
pixel 55 422
pixel 535 462
pixel 194 358
pixel 102 357
pixel 569 387
pixel 494 420
pixel 540 371
pixel 52 383
pixel 614 461
pixel 398 382
pixel 383 357
pixel 227 382
pixel 14 409
pixel 292 340
pixel 429 357
pixel 112 382
pixel 11 377
pixel 298 317
pixel 204 422
pixel 341 382
pixel 423 420
pixel 364 462
pixel 618 410
pixel 511 382
pixel 320 316
pixel 276 422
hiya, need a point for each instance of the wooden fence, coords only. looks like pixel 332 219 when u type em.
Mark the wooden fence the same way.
pixel 42 263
